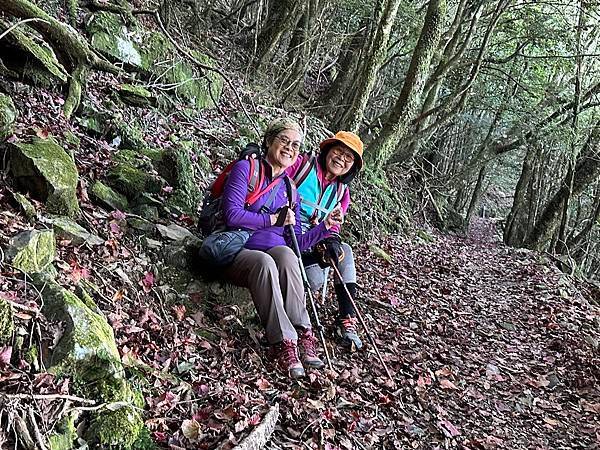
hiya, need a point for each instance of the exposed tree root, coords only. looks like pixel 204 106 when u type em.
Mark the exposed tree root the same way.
pixel 73 100
pixel 259 437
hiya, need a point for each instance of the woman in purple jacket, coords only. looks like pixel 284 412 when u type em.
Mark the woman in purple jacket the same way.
pixel 267 265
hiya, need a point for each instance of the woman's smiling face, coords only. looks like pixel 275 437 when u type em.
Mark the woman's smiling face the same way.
pixel 339 161
pixel 284 149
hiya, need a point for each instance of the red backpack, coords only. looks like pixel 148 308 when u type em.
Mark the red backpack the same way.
pixel 211 218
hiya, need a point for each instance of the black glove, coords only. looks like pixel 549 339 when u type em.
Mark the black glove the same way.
pixel 251 150
pixel 330 249
pixel 281 215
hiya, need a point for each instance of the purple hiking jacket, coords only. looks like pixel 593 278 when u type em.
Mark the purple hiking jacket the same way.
pixel 264 236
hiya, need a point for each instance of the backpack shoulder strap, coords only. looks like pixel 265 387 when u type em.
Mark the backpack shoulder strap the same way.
pixel 302 174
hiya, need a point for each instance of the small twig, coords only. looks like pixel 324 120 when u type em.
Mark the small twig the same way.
pixel 50 397
pixel 21 23
pixel 36 430
pixel 20 306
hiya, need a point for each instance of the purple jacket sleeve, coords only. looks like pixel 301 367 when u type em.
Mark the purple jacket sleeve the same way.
pixel 311 237
pixel 234 199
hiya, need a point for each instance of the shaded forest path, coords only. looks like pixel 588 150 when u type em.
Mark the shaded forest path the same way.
pixel 491 347
pixel 494 347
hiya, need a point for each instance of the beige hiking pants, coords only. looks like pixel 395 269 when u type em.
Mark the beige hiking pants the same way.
pixel 275 284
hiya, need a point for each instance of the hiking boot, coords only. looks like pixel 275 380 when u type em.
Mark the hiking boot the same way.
pixel 308 349
pixel 287 356
pixel 349 334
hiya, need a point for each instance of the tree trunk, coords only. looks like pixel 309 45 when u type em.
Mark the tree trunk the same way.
pixel 282 16
pixel 587 170
pixel 407 105
pixel 349 62
pixel 515 229
pixel 350 117
pixel 476 196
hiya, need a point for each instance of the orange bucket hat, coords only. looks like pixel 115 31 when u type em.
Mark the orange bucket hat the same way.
pixel 350 140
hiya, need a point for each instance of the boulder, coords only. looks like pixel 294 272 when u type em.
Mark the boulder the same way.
pixel 65 228
pixel 136 95
pixel 108 198
pixel 177 169
pixel 111 37
pixel 87 352
pixel 43 168
pixel 32 251
pixel 161 58
pixel 176 232
pixel 8 115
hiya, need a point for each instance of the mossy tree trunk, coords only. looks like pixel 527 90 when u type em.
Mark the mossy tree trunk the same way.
pixel 64 40
pixel 587 170
pixel 516 227
pixel 282 17
pixel 301 48
pixel 350 56
pixel 407 106
pixel 356 98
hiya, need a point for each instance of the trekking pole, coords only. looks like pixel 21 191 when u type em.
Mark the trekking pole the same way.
pixel 361 320
pixel 311 300
pixel 325 278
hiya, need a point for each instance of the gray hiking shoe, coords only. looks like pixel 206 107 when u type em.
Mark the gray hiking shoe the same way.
pixel 349 334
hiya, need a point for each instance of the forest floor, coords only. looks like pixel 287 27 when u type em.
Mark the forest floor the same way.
pixel 490 347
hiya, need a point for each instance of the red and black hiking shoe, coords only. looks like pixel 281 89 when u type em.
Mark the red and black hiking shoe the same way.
pixel 349 334
pixel 287 358
pixel 308 349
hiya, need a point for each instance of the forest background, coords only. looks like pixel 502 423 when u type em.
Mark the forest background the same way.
pixel 468 108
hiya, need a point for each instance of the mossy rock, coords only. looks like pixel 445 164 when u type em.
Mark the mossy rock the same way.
pixel 43 168
pixel 131 181
pixel 66 228
pixel 177 169
pixel 32 251
pixel 7 324
pixel 162 59
pixel 8 116
pixel 25 206
pixel 130 134
pixel 87 352
pixel 136 95
pixel 107 197
pixel 110 36
pixel 35 60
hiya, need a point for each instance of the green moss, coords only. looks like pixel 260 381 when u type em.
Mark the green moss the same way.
pixel 64 434
pixel 108 197
pixel 43 168
pixel 7 325
pixel 162 59
pixel 26 206
pixel 136 95
pixel 31 355
pixel 130 133
pixel 8 116
pixel 176 167
pixel 43 67
pixel 132 181
pixel 111 37
pixel 33 251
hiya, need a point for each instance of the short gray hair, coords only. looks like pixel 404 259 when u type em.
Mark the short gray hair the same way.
pixel 276 126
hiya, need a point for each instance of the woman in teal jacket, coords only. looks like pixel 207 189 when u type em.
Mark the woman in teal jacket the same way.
pixel 322 181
